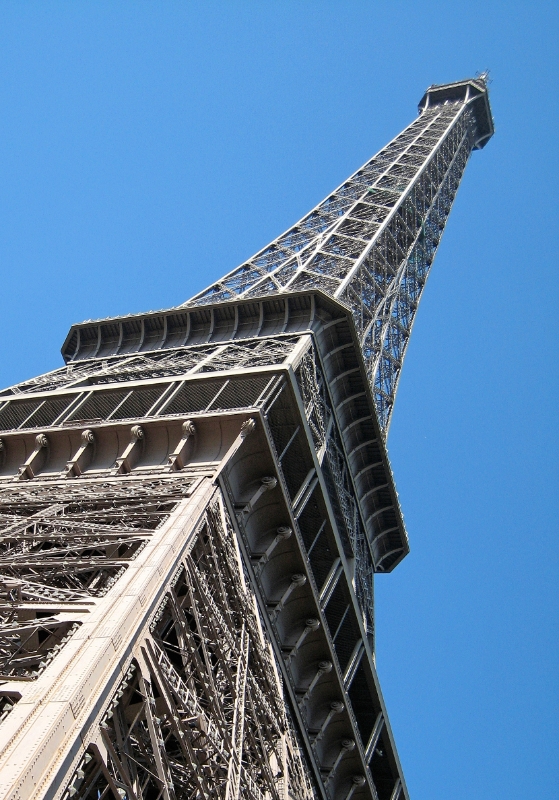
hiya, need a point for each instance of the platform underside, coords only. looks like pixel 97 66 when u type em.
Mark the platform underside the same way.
pixel 187 580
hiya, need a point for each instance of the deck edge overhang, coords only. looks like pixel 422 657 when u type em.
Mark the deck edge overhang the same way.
pixel 323 311
pixel 474 92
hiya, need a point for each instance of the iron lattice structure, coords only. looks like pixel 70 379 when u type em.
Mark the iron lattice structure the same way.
pixel 193 508
pixel 371 243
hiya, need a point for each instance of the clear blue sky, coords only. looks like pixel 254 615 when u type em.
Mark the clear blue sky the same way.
pixel 146 148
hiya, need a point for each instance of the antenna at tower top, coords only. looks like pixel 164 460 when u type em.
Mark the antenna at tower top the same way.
pixel 484 76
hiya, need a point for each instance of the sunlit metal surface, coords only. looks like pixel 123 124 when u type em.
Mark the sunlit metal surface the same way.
pixel 193 508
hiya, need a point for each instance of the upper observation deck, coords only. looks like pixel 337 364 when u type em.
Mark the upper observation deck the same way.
pixel 472 91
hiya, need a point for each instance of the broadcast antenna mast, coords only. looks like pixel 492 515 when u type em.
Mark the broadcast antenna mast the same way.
pixel 194 507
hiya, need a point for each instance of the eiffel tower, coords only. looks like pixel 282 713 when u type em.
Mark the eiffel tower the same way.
pixel 194 507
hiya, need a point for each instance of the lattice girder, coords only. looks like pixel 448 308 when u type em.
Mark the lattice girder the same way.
pixel 193 508
pixel 372 242
pixel 172 727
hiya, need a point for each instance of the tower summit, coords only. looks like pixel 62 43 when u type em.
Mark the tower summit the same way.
pixel 194 507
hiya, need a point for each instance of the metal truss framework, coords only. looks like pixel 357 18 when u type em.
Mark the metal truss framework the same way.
pixel 193 509
pixel 75 531
pixel 200 709
pixel 371 243
pixel 183 361
pixel 202 713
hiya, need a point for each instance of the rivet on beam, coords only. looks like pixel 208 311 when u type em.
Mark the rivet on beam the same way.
pixel 311 625
pixel 266 484
pixel 26 472
pixel 74 466
pixel 324 667
pixel 298 579
pixel 356 782
pixel 124 463
pixel 335 708
pixel 282 533
pixel 347 746
pixel 177 457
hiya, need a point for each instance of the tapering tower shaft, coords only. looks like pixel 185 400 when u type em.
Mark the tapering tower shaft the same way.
pixel 193 508
pixel 371 242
